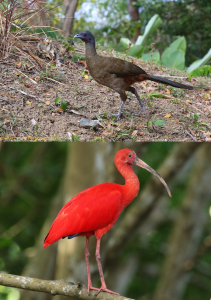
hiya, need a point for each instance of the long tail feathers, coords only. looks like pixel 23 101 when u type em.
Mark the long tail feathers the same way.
pixel 169 82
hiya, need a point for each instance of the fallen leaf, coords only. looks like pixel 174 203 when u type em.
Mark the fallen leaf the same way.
pixel 86 76
pixel 27 85
pixel 167 91
pixel 168 115
pixel 19 65
pixel 134 132
pixel 47 102
pixel 28 102
pixel 206 95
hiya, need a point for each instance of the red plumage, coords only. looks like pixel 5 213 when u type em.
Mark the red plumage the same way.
pixel 79 215
pixel 95 210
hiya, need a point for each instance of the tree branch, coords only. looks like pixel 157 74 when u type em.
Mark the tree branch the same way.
pixel 54 287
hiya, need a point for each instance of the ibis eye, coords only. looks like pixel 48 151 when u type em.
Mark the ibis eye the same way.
pixel 129 155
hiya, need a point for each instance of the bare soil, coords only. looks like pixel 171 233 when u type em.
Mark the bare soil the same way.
pixel 35 115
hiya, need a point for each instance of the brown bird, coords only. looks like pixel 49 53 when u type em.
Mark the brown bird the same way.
pixel 118 74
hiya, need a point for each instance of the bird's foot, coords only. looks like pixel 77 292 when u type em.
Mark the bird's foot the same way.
pixel 102 289
pixel 116 115
pixel 105 290
pixel 141 110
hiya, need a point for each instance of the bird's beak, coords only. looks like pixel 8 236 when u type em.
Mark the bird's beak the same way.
pixel 77 36
pixel 142 164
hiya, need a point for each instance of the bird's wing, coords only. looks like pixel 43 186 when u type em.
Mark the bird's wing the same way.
pixel 122 68
pixel 92 209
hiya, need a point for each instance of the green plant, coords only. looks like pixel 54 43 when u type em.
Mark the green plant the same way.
pixel 202 71
pixel 75 138
pixel 97 139
pixel 36 130
pixel 155 122
pixel 137 49
pixel 196 117
pixel 67 45
pixel 64 105
pixel 58 100
pixel 45 31
pixel 198 63
pixel 77 57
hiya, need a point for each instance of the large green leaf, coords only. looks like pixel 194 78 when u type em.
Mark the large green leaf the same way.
pixel 139 40
pixel 152 25
pixel 200 62
pixel 179 44
pixel 155 57
pixel 125 43
pixel 136 50
pixel 175 60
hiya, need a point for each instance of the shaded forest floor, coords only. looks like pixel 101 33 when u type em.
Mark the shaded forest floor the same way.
pixel 28 110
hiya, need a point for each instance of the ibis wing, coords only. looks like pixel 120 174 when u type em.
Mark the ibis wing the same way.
pixel 92 209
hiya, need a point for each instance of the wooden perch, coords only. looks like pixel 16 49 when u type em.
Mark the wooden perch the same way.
pixel 54 287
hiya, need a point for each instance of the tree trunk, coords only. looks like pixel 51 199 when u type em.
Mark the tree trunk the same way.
pixel 134 14
pixel 186 234
pixel 71 6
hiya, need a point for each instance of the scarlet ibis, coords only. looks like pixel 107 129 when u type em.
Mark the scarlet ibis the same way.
pixel 95 210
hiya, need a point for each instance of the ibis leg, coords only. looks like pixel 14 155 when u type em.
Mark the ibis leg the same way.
pixel 86 253
pixel 103 284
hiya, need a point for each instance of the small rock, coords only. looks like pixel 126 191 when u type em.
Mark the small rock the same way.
pixel 33 122
pixel 89 124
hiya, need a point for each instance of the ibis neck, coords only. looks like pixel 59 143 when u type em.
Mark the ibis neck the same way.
pixel 131 186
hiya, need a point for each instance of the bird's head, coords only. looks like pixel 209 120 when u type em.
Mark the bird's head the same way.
pixel 86 37
pixel 129 157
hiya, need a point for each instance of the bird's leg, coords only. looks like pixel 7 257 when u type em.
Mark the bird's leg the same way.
pixel 86 253
pixel 133 91
pixel 123 98
pixel 120 111
pixel 103 284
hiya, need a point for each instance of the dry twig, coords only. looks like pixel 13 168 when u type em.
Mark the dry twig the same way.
pixel 55 287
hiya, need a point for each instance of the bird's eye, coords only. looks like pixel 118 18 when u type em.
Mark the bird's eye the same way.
pixel 129 155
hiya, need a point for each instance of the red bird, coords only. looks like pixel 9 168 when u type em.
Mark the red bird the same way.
pixel 95 210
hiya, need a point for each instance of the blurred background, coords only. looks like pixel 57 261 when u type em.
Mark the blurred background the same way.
pixel 160 247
